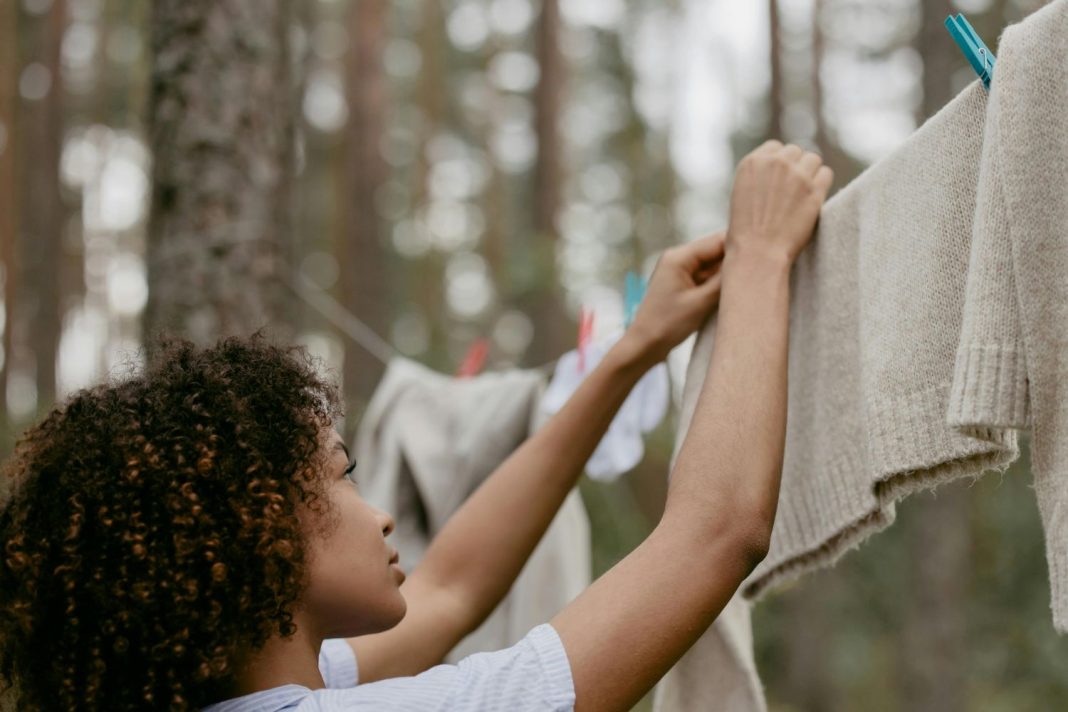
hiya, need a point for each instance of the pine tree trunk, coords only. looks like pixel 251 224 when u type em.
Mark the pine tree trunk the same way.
pixel 363 259
pixel 8 204
pixel 221 132
pixel 41 218
pixel 552 331
pixel 775 56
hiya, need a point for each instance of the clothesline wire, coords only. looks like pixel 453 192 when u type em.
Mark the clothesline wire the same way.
pixel 351 325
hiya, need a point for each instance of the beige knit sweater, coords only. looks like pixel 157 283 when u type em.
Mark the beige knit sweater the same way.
pixel 923 333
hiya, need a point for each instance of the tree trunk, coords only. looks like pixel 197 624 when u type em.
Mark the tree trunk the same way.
pixel 8 204
pixel 362 255
pixel 39 320
pixel 775 107
pixel 221 132
pixel 552 330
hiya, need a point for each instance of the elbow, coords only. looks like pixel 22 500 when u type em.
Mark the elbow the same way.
pixel 754 541
pixel 749 535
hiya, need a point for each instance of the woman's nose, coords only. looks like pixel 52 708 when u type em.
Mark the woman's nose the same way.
pixel 387 523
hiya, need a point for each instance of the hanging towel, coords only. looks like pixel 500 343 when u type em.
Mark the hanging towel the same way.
pixel 927 326
pixel 426 442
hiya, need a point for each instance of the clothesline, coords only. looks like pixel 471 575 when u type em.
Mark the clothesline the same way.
pixel 319 299
pixel 353 327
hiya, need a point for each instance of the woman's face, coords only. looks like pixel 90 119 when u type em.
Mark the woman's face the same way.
pixel 354 576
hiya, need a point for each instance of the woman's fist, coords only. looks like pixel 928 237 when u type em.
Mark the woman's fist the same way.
pixel 776 200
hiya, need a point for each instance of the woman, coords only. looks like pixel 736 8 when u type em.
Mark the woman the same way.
pixel 192 535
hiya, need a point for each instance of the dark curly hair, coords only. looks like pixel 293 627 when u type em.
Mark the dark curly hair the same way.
pixel 151 533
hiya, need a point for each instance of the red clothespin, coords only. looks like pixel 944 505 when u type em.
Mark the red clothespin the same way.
pixel 474 359
pixel 585 334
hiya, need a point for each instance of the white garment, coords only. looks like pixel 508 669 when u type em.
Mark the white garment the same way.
pixel 426 442
pixel 622 447
pixel 534 675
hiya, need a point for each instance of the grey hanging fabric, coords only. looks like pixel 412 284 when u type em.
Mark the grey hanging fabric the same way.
pixel 426 442
pixel 928 323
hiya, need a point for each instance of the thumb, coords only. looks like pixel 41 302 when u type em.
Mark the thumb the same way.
pixel 704 249
pixel 707 293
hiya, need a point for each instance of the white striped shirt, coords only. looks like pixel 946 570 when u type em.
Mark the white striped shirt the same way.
pixel 532 675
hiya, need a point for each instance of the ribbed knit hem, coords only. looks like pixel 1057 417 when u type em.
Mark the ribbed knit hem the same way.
pixel 834 511
pixel 989 388
pixel 910 448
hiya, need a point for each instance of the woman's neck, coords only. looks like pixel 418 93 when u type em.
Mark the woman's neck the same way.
pixel 282 661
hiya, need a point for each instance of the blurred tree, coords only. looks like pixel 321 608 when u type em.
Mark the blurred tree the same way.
pixel 432 101
pixel 547 312
pixel 8 204
pixel 362 255
pixel 221 129
pixel 775 92
pixel 38 321
pixel 933 641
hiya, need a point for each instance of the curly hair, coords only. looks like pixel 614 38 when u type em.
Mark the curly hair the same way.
pixel 152 536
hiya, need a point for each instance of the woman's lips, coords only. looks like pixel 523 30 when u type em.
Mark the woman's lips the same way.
pixel 395 558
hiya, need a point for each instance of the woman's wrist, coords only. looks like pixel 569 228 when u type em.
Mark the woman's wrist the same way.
pixel 635 352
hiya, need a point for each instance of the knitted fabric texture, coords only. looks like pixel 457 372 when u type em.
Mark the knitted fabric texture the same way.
pixel 928 323
pixel 1012 363
pixel 426 442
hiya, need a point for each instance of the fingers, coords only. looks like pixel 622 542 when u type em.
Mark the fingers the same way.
pixel 824 178
pixel 707 292
pixel 810 163
pixel 792 152
pixel 709 248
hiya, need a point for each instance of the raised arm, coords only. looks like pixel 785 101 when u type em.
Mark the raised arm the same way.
pixel 637 620
pixel 476 557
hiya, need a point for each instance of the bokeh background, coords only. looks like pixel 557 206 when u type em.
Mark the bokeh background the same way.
pixel 417 175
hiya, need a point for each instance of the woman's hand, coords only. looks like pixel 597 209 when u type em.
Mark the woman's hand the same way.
pixel 776 200
pixel 682 291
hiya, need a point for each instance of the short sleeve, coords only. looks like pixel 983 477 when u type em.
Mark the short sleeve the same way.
pixel 337 663
pixel 532 676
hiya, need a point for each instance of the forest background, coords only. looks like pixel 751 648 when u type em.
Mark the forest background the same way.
pixel 412 177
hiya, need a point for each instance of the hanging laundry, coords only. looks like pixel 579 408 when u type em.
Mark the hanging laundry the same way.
pixel 426 442
pixel 622 447
pixel 1012 360
pixel 911 362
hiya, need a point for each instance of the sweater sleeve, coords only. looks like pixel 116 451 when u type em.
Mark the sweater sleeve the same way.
pixel 990 388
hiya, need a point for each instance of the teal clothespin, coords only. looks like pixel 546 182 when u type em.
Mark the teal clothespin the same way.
pixel 633 293
pixel 975 50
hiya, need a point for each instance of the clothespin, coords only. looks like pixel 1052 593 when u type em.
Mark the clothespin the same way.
pixel 633 293
pixel 474 359
pixel 975 50
pixel 585 334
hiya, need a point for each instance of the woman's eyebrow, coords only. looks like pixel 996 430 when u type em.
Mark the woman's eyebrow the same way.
pixel 341 446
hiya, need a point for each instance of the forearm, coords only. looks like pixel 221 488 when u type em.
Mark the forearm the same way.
pixel 484 545
pixel 655 603
pixel 734 447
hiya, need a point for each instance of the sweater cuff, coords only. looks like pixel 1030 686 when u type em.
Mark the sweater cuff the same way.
pixel 989 388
